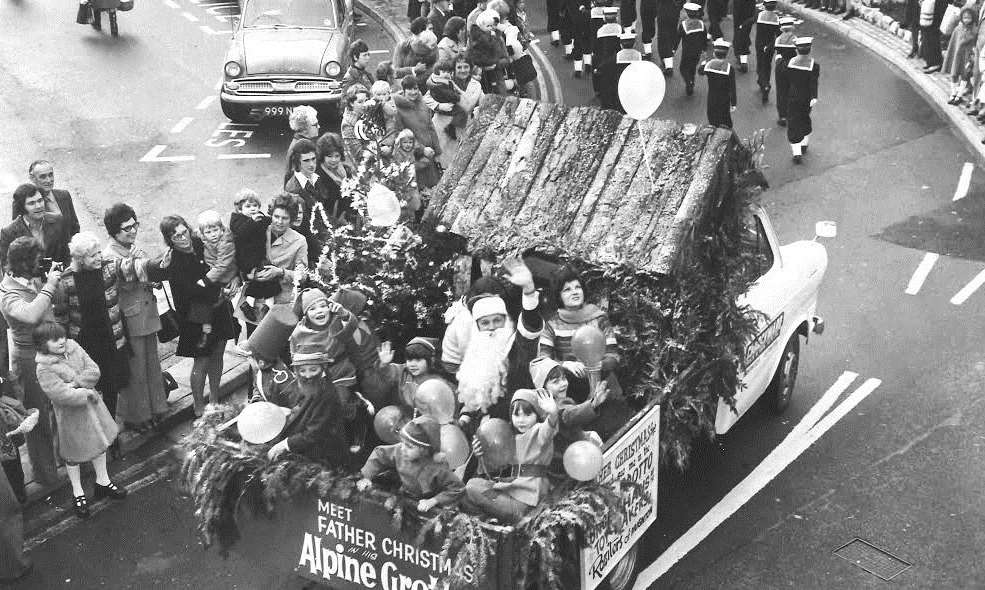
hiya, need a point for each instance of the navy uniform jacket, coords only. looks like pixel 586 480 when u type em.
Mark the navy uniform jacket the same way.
pixel 803 74
pixel 721 91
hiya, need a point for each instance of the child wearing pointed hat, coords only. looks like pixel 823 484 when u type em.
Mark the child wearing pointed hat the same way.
pixel 534 415
pixel 417 458
pixel 547 374
pixel 314 427
pixel 326 327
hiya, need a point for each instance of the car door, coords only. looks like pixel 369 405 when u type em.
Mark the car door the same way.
pixel 768 295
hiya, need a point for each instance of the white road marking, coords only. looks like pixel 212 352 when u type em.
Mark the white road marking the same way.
pixel 798 441
pixel 204 104
pixel 210 31
pixel 964 181
pixel 182 124
pixel 920 274
pixel 242 156
pixel 71 521
pixel 172 4
pixel 154 155
pixel 968 289
pixel 190 17
pixel 824 404
pixel 9 181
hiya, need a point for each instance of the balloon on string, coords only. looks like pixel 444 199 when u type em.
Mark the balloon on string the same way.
pixel 641 89
pixel 582 460
pixel 454 445
pixel 261 422
pixel 382 206
pixel 389 421
pixel 435 398
pixel 498 443
pixel 588 346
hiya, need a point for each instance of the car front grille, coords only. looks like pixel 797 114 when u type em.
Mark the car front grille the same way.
pixel 287 86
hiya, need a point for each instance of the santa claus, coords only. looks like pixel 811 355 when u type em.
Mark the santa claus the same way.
pixel 496 348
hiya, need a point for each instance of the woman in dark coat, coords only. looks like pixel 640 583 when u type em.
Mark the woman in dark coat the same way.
pixel 197 302
pixel 88 306
pixel 333 170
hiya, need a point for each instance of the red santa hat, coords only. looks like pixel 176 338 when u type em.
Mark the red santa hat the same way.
pixel 487 306
pixel 423 432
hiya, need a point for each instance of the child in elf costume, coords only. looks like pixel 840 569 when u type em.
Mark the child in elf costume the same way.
pixel 534 415
pixel 326 327
pixel 402 380
pixel 548 374
pixel 418 460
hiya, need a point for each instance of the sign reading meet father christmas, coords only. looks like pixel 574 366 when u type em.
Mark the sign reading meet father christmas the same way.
pixel 348 547
pixel 632 458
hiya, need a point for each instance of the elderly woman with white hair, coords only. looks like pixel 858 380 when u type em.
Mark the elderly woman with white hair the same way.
pixel 87 306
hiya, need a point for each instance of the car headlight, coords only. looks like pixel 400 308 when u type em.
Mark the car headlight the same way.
pixel 233 69
pixel 333 68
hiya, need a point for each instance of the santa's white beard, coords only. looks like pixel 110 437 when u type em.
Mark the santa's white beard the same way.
pixel 482 374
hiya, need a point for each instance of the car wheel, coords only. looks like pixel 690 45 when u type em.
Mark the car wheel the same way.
pixel 623 576
pixel 780 390
pixel 237 113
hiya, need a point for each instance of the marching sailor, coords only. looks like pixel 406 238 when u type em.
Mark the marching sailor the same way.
pixel 607 73
pixel 802 74
pixel 574 33
pixel 767 30
pixel 785 50
pixel 694 40
pixel 668 13
pixel 721 86
pixel 716 10
pixel 744 17
pixel 606 39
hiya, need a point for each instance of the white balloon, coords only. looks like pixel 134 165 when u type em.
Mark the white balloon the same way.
pixel 382 206
pixel 641 89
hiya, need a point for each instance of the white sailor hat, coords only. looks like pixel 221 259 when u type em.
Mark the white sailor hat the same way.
pixel 721 44
pixel 597 12
pixel 692 7
pixel 627 36
pixel 803 41
pixel 787 20
pixel 769 2
pixel 610 10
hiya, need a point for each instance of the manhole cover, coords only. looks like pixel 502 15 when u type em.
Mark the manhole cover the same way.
pixel 872 559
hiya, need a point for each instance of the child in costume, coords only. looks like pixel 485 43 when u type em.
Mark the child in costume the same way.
pixel 534 415
pixel 548 374
pixel 326 327
pixel 417 459
pixel 402 380
pixel 314 427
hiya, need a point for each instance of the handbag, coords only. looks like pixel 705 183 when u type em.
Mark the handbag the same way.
pixel 169 322
pixel 523 69
pixel 952 15
pixel 84 15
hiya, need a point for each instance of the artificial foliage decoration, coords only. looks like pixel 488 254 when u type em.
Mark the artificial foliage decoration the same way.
pixel 466 540
pixel 561 526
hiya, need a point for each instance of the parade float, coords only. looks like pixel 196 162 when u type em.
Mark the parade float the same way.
pixel 708 309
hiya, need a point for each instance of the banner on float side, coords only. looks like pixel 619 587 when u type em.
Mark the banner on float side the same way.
pixel 632 457
pixel 355 546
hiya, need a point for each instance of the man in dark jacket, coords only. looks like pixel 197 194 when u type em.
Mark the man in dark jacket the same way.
pixel 57 201
pixel 32 220
pixel 440 12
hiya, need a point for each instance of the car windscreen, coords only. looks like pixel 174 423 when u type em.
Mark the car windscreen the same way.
pixel 290 13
